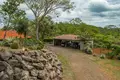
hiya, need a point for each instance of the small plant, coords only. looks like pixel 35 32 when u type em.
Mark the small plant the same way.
pixel 110 55
pixel 88 50
pixel 118 57
pixel 14 45
pixel 102 56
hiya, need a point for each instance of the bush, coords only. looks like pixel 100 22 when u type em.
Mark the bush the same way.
pixel 49 40
pixel 33 44
pixel 88 50
pixel 115 52
pixel 110 55
pixel 7 42
pixel 118 57
pixel 102 56
pixel 14 45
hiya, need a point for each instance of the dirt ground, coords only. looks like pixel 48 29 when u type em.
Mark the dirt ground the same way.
pixel 81 64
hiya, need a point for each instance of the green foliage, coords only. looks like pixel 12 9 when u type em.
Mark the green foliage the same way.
pixel 110 55
pixel 14 45
pixel 115 53
pixel 33 44
pixel 118 56
pixel 44 7
pixel 88 50
pixel 102 56
pixel 46 27
pixel 21 26
pixel 7 42
pixel 9 9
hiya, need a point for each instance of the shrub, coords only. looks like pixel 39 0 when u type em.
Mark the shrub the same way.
pixel 14 45
pixel 102 56
pixel 33 44
pixel 110 55
pixel 115 52
pixel 88 50
pixel 7 42
pixel 118 57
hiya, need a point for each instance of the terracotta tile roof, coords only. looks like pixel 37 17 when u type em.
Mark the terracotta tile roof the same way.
pixel 11 34
pixel 68 37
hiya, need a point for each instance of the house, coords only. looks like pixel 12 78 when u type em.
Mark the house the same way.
pixel 70 40
pixel 11 34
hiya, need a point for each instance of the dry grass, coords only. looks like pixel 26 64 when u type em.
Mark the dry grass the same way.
pixel 110 67
pixel 67 71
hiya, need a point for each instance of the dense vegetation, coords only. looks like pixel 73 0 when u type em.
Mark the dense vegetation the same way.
pixel 43 28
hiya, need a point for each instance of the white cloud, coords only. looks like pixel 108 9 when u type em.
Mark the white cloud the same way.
pixel 95 12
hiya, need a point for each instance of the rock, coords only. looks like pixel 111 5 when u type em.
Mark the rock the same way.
pixel 5 55
pixel 2 74
pixel 52 74
pixel 30 65
pixel 41 74
pixel 5 77
pixel 33 78
pixel 17 70
pixel 2 66
pixel 14 63
pixel 44 50
pixel 39 66
pixel 25 75
pixel 34 73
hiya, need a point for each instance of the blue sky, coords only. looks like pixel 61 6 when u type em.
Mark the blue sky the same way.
pixel 94 12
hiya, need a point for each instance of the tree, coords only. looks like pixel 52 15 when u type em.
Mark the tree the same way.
pixel 21 26
pixel 8 9
pixel 41 8
pixel 20 22
pixel 46 27
pixel 76 21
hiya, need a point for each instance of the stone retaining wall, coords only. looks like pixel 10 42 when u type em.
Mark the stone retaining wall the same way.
pixel 29 65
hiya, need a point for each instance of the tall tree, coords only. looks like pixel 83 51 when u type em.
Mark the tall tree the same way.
pixel 21 26
pixel 7 10
pixel 76 21
pixel 41 8
pixel 46 27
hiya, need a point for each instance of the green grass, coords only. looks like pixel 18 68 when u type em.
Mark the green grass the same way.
pixel 67 71
pixel 111 66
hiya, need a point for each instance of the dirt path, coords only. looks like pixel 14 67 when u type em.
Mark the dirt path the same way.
pixel 83 67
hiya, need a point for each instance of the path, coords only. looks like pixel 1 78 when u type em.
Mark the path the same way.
pixel 83 67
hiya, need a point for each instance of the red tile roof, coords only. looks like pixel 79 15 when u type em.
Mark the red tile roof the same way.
pixel 68 37
pixel 11 34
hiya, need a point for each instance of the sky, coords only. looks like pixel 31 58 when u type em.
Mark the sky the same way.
pixel 94 12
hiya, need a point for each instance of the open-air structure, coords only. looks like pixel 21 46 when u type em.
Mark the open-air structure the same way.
pixel 70 40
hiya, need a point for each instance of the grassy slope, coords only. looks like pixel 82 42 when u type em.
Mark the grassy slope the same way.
pixel 67 71
pixel 111 67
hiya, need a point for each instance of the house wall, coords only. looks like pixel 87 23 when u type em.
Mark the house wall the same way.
pixel 82 45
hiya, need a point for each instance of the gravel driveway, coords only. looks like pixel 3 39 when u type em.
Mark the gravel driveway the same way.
pixel 82 66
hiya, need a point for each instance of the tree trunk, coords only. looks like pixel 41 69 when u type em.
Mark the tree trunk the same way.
pixel 37 32
pixel 37 29
pixel 6 28
pixel 5 34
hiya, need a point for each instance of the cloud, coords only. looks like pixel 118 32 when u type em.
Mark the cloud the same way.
pixel 94 12
pixel 1 1
pixel 102 6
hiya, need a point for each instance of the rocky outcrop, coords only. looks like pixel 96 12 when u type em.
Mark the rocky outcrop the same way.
pixel 29 65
